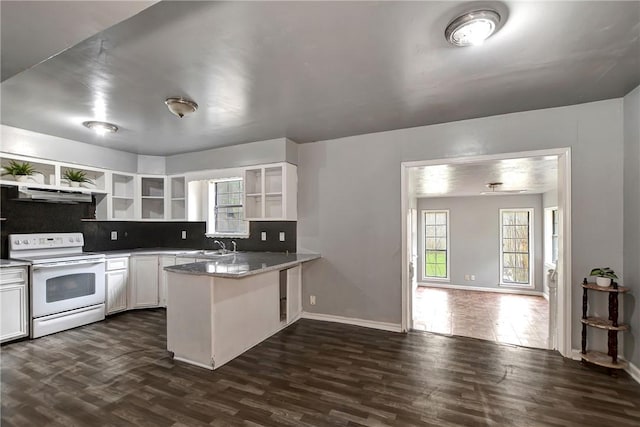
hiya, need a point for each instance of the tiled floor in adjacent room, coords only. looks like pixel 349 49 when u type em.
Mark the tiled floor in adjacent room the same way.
pixel 505 318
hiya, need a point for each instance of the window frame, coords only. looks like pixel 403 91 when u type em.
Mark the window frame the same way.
pixel 424 245
pixel 211 209
pixel 531 252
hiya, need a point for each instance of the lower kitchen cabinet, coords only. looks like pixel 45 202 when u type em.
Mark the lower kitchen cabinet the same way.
pixel 164 261
pixel 13 303
pixel 116 281
pixel 143 292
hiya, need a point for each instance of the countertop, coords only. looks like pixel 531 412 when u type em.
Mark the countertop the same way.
pixel 243 264
pixel 13 263
pixel 189 253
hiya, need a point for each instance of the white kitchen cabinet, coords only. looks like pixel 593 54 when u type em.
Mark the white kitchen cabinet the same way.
pixel 164 261
pixel 184 260
pixel 122 196
pixel 294 293
pixel 271 192
pixel 152 197
pixel 143 289
pixel 13 303
pixel 177 198
pixel 116 282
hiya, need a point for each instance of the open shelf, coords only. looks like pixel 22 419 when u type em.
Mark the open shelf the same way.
pixel 603 359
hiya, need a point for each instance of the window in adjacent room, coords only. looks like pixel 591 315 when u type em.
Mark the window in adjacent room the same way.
pixel 226 212
pixel 436 244
pixel 515 248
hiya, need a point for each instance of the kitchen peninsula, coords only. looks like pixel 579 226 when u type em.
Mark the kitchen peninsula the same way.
pixel 220 308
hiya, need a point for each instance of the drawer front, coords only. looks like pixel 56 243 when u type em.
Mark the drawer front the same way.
pixel 13 275
pixel 117 264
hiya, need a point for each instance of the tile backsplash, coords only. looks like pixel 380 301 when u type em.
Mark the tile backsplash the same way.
pixel 39 217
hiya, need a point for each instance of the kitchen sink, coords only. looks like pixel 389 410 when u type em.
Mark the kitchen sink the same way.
pixel 209 253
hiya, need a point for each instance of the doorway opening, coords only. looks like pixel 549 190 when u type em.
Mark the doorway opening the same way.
pixel 487 247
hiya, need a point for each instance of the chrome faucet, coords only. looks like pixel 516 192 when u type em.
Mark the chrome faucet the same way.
pixel 233 242
pixel 222 246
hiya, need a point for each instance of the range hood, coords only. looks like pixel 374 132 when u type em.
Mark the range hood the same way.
pixel 53 196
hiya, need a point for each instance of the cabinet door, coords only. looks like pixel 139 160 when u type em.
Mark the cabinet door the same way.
pixel 144 282
pixel 163 262
pixel 13 311
pixel 116 282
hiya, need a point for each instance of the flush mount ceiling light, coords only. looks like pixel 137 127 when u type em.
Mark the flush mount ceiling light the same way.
pixel 494 185
pixel 101 128
pixel 472 28
pixel 181 106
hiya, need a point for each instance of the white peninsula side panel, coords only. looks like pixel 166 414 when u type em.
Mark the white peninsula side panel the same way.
pixel 212 320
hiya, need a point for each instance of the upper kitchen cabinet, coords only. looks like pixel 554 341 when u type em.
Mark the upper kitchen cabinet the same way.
pixel 177 209
pixel 152 197
pixel 122 196
pixel 271 192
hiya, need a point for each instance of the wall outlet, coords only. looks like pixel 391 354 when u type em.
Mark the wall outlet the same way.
pixel 282 236
pixel 312 299
pixel 114 235
pixel 184 234
pixel 473 277
pixel 466 277
pixel 263 236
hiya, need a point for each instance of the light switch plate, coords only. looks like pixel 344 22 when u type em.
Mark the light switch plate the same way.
pixel 184 234
pixel 114 235
pixel 282 236
pixel 263 236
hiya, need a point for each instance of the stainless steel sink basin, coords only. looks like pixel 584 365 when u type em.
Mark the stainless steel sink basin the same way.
pixel 209 253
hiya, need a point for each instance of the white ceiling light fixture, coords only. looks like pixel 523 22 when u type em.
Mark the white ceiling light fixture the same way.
pixel 101 128
pixel 494 185
pixel 181 106
pixel 472 28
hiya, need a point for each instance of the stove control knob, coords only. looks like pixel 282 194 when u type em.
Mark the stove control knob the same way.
pixel 78 239
pixel 25 241
pixel 16 242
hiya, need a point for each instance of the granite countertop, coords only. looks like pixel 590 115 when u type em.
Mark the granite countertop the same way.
pixel 243 264
pixel 13 263
pixel 191 253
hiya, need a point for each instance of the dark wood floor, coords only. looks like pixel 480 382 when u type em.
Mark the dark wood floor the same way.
pixel 118 373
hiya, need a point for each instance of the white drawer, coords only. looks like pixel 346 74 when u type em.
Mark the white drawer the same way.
pixel 117 264
pixel 13 275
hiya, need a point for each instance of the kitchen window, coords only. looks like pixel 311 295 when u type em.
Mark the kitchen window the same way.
pixel 515 247
pixel 436 244
pixel 226 210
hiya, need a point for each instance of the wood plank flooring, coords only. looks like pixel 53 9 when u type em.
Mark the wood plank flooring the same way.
pixel 118 373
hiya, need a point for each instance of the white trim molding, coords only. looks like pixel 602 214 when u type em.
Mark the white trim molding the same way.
pixel 383 326
pixel 518 291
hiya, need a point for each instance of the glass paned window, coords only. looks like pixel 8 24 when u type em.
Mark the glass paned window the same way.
pixel 554 235
pixel 515 246
pixel 227 210
pixel 436 244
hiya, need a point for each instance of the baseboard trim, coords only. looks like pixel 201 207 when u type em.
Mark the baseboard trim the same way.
pixel 632 369
pixel 383 326
pixel 474 288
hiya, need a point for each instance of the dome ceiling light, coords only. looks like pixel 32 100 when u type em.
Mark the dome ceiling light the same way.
pixel 472 28
pixel 181 106
pixel 101 128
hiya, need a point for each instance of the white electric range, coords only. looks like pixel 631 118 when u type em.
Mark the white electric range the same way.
pixel 67 286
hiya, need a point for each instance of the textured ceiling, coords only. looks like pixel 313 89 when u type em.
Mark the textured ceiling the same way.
pixel 317 70
pixel 531 174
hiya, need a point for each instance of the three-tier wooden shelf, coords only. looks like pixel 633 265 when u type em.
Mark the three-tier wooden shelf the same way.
pixel 611 325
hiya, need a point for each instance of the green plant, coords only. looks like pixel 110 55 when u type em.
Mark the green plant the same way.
pixel 603 272
pixel 14 168
pixel 75 175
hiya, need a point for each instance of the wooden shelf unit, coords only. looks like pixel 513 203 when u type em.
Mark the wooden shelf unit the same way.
pixel 611 325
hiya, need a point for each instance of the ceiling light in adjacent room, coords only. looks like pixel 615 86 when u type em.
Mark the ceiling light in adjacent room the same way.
pixel 101 128
pixel 181 106
pixel 472 28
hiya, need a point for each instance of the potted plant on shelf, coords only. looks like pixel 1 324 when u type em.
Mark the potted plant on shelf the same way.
pixel 19 171
pixel 75 177
pixel 603 276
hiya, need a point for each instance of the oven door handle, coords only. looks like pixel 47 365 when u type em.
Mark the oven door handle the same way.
pixel 68 264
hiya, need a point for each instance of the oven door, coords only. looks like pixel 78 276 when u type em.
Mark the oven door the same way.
pixel 60 287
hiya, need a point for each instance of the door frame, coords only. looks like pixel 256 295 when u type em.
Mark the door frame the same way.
pixel 563 314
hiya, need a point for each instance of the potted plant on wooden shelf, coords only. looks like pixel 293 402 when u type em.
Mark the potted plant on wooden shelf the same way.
pixel 20 171
pixel 603 276
pixel 75 177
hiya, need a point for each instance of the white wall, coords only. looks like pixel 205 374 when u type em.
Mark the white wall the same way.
pixel 631 272
pixel 474 226
pixel 349 199
pixel 27 143
pixel 252 153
